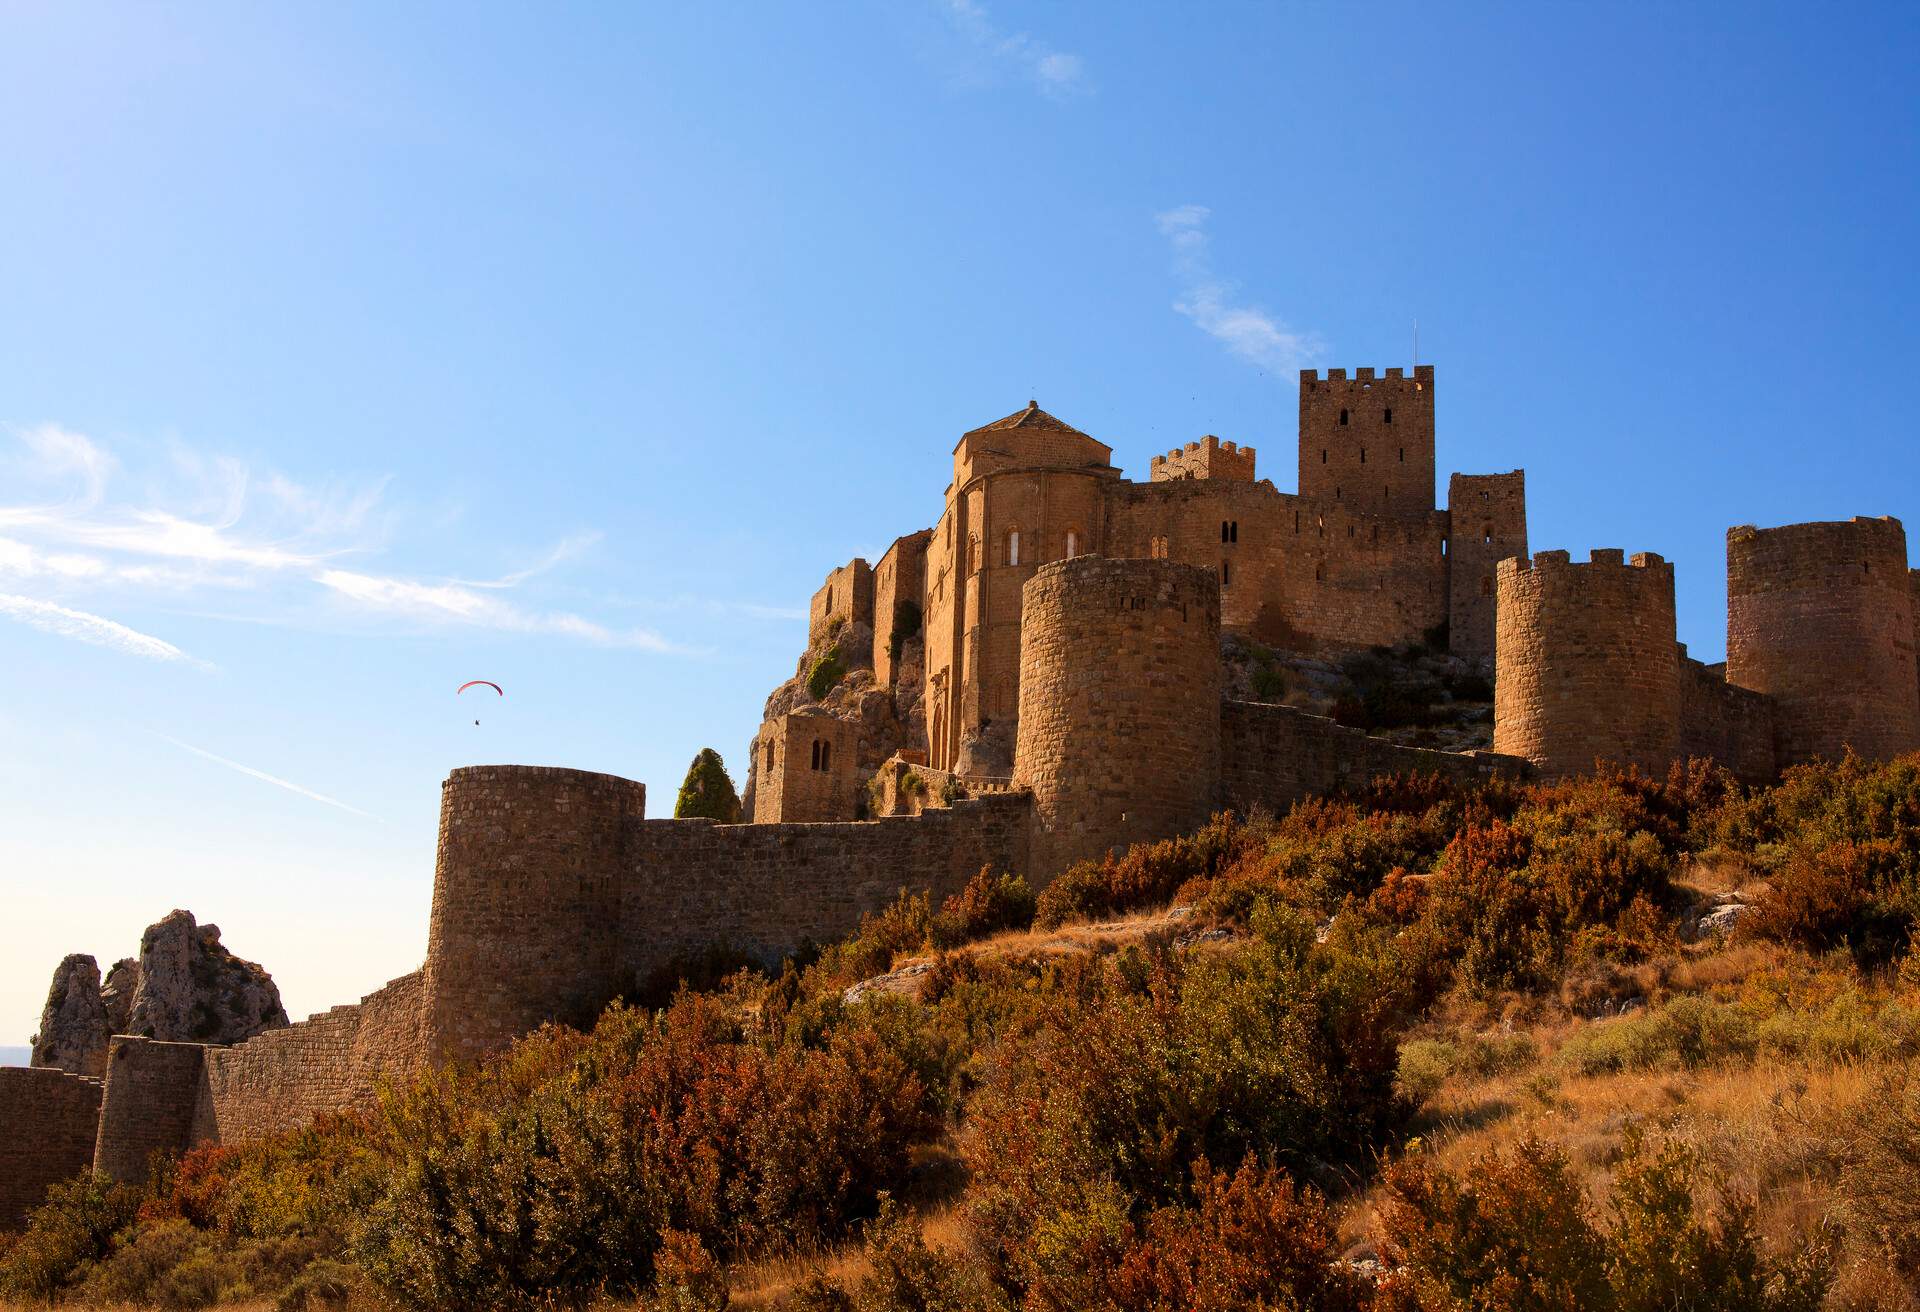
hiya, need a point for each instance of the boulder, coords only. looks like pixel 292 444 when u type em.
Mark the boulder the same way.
pixel 73 1026
pixel 192 989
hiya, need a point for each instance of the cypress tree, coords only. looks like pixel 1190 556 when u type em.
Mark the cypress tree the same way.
pixel 708 791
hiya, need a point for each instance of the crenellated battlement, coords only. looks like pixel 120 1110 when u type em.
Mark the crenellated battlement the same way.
pixel 1560 562
pixel 1365 376
pixel 1207 458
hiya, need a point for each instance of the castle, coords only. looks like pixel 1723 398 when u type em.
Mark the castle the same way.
pixel 1063 681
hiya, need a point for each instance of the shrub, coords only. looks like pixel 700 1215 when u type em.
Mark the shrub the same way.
pixel 827 673
pixel 1831 897
pixel 1880 1161
pixel 1147 875
pixel 1269 684
pixel 707 790
pixel 988 904
pixel 74 1227
pixel 1518 1232
pixel 686 1278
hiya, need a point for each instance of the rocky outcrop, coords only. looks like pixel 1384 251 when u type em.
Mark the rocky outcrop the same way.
pixel 193 989
pixel 185 986
pixel 73 1026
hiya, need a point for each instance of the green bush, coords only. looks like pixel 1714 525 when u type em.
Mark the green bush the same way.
pixel 72 1229
pixel 707 791
pixel 826 675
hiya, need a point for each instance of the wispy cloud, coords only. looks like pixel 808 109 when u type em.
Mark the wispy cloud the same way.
pixel 463 604
pixel 84 627
pixel 209 522
pixel 1057 74
pixel 275 780
pixel 1212 302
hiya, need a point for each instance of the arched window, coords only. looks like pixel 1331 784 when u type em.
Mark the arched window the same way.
pixel 1226 573
pixel 769 756
pixel 973 554
pixel 1486 534
pixel 1343 417
pixel 1013 546
pixel 1389 415
pixel 816 754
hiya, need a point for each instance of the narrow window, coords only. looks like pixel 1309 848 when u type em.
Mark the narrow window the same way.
pixel 1343 417
pixel 1320 573
pixel 1323 457
pixel 1296 521
pixel 769 756
pixel 1234 532
pixel 1013 547
pixel 1336 494
pixel 1486 535
pixel 826 755
pixel 1363 455
pixel 1403 455
pixel 1226 573
pixel 1389 415
pixel 1376 532
pixel 816 754
pixel 1223 530
pixel 1073 544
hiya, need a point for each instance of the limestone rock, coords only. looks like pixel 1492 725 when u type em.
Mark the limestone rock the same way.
pixel 73 1027
pixel 117 994
pixel 192 989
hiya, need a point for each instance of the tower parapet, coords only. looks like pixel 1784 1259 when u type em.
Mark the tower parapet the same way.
pixel 1119 735
pixel 1588 662
pixel 1207 458
pixel 1821 617
pixel 1368 441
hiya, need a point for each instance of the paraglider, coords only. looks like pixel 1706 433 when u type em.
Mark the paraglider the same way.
pixel 480 683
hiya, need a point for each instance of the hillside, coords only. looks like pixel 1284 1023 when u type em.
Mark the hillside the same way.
pixel 1613 1043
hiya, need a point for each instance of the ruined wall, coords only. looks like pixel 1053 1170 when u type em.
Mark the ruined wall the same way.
pixel 847 596
pixel 1119 704
pixel 1725 723
pixel 1486 524
pixel 1275 756
pixel 1821 617
pixel 812 772
pixel 1296 572
pixel 328 1063
pixel 1207 458
pixel 1367 442
pixel 1588 665
pixel 900 579
pixel 526 901
pixel 47 1123
pixel 766 889
pixel 152 1091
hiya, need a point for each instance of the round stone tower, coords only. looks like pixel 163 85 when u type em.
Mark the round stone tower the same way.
pixel 1820 617
pixel 526 902
pixel 1119 735
pixel 1588 662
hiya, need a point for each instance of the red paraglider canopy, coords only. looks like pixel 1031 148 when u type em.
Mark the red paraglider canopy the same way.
pixel 480 683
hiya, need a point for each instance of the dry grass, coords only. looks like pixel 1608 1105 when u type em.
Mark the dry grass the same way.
pixel 1766 1128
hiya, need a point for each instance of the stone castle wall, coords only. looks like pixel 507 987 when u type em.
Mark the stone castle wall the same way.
pixel 1275 756
pixel 48 1119
pixel 1119 704
pixel 1367 442
pixel 152 1092
pixel 900 578
pixel 331 1062
pixel 1722 722
pixel 1300 573
pixel 846 596
pixel 1588 665
pixel 809 770
pixel 1487 523
pixel 1207 458
pixel 1821 617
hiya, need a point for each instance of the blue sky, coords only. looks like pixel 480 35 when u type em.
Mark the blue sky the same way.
pixel 348 352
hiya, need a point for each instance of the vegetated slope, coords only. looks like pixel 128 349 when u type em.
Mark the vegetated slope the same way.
pixel 1423 1048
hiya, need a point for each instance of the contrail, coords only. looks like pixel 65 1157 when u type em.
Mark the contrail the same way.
pixel 272 779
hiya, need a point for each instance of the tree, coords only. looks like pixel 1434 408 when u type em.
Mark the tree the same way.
pixel 708 791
